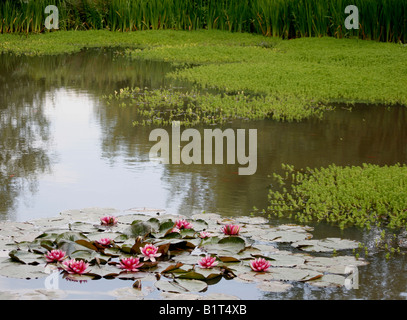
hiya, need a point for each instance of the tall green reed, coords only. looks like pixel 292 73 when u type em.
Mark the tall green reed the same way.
pixel 382 20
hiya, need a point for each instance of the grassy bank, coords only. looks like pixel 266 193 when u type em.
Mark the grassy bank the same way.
pixel 365 196
pixel 378 20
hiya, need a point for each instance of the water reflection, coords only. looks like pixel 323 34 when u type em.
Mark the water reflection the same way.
pixel 61 148
pixel 53 119
pixel 24 132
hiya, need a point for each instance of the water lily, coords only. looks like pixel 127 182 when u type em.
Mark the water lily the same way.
pixel 207 262
pixel 55 256
pixel 149 252
pixel 183 224
pixel 259 264
pixel 105 242
pixel 204 234
pixel 231 229
pixel 74 266
pixel 109 220
pixel 130 264
pixel 175 229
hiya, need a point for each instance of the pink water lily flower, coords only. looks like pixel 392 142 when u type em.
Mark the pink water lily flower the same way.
pixel 259 264
pixel 130 264
pixel 204 235
pixel 231 229
pixel 74 266
pixel 175 229
pixel 149 252
pixel 55 256
pixel 207 262
pixel 105 242
pixel 183 224
pixel 109 220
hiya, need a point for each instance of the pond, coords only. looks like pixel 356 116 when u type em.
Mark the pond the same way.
pixel 62 147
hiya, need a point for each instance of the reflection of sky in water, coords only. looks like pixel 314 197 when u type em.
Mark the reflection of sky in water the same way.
pixel 80 178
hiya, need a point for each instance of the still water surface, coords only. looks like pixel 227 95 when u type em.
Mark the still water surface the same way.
pixel 62 147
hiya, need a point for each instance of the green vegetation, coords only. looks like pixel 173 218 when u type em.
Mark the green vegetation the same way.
pixel 314 69
pixel 293 78
pixel 162 106
pixel 275 78
pixel 378 20
pixel 174 269
pixel 73 41
pixel 364 196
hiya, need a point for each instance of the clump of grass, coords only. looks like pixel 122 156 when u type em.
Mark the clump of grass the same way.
pixel 162 106
pixel 365 196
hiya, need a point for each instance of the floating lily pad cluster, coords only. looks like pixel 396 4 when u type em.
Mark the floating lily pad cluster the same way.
pixel 180 254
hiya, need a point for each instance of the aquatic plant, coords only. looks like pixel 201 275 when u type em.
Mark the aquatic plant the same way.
pixel 130 264
pixel 207 262
pixel 228 257
pixel 105 242
pixel 231 229
pixel 149 252
pixel 163 106
pixel 260 265
pixel 183 224
pixel 74 266
pixel 109 220
pixel 365 196
pixel 204 234
pixel 55 255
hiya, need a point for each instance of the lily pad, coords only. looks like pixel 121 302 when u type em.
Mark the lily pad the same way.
pixel 283 260
pixel 329 280
pixel 129 293
pixel 274 286
pixel 82 227
pixel 325 245
pixel 181 285
pixel 26 257
pixel 201 274
pixel 22 271
pixel 281 274
pixel 226 246
pixel 284 236
pixel 138 229
pixel 252 220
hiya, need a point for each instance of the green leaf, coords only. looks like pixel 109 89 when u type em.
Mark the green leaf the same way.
pixel 199 225
pixel 166 225
pixel 26 257
pixel 71 236
pixel 22 271
pixel 154 223
pixel 86 244
pixel 201 274
pixel 82 227
pixel 138 229
pixel 227 246
pixel 181 285
pixel 172 267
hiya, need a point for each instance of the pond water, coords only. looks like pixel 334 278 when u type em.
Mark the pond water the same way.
pixel 62 147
